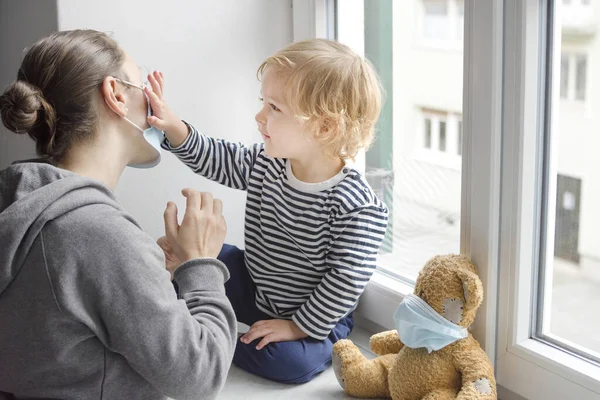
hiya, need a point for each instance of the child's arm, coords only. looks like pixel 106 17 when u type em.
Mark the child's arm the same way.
pixel 352 258
pixel 227 163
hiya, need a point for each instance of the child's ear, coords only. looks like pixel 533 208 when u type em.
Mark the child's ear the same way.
pixel 328 127
pixel 473 289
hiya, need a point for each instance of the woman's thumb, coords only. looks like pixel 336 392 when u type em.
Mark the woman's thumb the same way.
pixel 171 224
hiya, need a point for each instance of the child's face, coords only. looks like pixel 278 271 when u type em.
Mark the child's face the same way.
pixel 283 134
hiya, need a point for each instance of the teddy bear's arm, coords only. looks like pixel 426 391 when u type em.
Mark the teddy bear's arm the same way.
pixel 386 343
pixel 478 380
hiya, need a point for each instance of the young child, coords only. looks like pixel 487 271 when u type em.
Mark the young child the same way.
pixel 313 225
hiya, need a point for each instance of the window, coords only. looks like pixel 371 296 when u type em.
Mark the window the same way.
pixel 428 134
pixel 417 144
pixel 441 132
pixel 564 76
pixel 570 269
pixel 436 21
pixel 443 21
pixel 528 204
pixel 548 341
pixel 580 77
pixel 442 141
pixel 576 2
pixel 573 76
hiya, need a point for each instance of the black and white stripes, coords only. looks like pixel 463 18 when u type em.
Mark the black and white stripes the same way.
pixel 310 248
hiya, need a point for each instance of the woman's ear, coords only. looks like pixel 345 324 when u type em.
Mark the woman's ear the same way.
pixel 113 96
pixel 473 289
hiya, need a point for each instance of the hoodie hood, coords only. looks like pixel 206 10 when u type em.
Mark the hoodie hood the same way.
pixel 31 195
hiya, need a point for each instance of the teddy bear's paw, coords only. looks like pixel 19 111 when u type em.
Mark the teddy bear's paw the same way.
pixel 336 362
pixel 483 386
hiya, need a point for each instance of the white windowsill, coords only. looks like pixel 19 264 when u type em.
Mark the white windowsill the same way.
pixel 380 299
pixel 560 362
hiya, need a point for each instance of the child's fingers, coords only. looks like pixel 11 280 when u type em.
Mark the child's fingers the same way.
pixel 253 334
pixel 157 123
pixel 265 341
pixel 155 85
pixel 158 106
pixel 161 82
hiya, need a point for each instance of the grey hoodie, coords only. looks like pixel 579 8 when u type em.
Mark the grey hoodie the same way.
pixel 87 309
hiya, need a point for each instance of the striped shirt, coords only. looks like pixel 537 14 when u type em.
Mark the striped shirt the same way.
pixel 310 248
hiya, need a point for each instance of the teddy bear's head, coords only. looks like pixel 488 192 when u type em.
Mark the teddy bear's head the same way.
pixel 451 286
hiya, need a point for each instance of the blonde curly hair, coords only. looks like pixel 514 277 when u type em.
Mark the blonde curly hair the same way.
pixel 332 90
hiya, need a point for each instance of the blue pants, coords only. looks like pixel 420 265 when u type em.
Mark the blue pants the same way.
pixel 287 362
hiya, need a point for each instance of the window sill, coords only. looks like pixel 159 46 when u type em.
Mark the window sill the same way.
pixel 556 367
pixel 380 299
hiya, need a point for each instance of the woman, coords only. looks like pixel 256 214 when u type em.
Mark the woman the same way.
pixel 87 308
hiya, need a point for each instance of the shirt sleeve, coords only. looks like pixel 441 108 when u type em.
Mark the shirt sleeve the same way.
pixel 123 293
pixel 352 259
pixel 227 163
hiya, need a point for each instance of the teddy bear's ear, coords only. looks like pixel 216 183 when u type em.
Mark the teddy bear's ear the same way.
pixel 473 289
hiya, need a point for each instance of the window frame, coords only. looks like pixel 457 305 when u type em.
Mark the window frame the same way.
pixel 480 175
pixel 453 41
pixel 552 373
pixel 573 77
pixel 502 125
pixel 450 157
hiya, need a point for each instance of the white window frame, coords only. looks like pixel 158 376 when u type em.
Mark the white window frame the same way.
pixel 526 366
pixel 317 19
pixel 501 108
pixel 481 176
pixel 313 19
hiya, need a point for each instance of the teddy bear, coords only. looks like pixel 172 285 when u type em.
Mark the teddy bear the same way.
pixel 431 355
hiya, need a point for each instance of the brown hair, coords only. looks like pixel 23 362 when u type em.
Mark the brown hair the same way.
pixel 333 90
pixel 52 98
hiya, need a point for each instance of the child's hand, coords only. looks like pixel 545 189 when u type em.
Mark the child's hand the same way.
pixel 273 330
pixel 163 118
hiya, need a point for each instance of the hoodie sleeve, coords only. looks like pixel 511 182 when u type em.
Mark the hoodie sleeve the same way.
pixel 122 292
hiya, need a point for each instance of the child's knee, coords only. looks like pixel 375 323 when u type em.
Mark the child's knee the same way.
pixel 282 362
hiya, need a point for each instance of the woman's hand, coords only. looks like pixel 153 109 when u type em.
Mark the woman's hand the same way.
pixel 201 233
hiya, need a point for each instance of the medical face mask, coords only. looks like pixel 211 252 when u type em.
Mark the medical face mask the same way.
pixel 152 135
pixel 419 325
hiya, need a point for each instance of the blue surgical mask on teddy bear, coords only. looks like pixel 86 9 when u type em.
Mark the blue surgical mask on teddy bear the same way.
pixel 420 326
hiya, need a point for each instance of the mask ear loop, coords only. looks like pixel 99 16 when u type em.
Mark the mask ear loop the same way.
pixel 125 118
pixel 141 87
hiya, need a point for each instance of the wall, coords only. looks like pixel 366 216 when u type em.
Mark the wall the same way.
pixel 22 23
pixel 209 52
